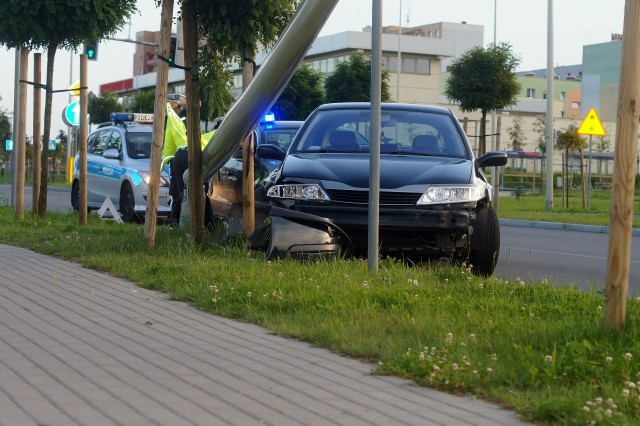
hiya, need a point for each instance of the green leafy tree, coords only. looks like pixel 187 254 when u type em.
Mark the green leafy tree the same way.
pixel 100 107
pixel 484 79
pixel 540 127
pixel 215 87
pixel 143 102
pixel 53 25
pixel 303 94
pixel 351 81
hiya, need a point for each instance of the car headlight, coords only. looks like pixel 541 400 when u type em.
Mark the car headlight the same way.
pixel 443 194
pixel 146 177
pixel 307 192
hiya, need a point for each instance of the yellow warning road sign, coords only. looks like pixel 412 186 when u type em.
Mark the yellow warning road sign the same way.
pixel 592 125
pixel 74 88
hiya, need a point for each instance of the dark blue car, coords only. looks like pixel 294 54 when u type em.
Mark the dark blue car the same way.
pixel 435 201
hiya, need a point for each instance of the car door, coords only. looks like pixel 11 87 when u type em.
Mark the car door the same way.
pixel 113 168
pixel 99 176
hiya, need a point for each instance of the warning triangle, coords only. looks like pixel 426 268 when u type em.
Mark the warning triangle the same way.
pixel 591 125
pixel 108 209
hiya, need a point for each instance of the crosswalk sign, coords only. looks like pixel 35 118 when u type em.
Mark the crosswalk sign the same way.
pixel 591 125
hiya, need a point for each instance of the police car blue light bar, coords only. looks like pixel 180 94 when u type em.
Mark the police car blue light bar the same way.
pixel 120 117
pixel 269 117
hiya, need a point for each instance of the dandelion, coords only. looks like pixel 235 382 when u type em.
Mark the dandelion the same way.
pixel 628 357
pixel 548 359
pixel 608 360
pixel 449 337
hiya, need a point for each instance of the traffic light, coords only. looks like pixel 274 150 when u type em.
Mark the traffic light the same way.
pixel 91 50
pixel 172 50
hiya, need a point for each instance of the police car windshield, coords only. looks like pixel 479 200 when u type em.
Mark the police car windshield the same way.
pixel 139 144
pixel 280 137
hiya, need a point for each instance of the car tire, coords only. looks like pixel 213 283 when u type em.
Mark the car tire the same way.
pixel 127 204
pixel 75 196
pixel 485 242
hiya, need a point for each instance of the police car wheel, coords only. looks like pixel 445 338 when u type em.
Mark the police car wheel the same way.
pixel 127 204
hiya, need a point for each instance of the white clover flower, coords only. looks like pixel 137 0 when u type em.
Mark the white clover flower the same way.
pixel 586 409
pixel 269 264
pixel 472 338
pixel 548 359
pixel 475 371
pixel 489 370
pixel 494 357
pixel 365 285
pixel 608 360
pixel 379 363
pixel 599 309
pixel 628 356
pixel 436 368
pixel 421 356
pixel 625 393
pixel 608 412
pixel 599 400
pixel 248 294
pixel 455 367
pixel 446 280
pixel 415 282
pixel 449 337
pixel 280 274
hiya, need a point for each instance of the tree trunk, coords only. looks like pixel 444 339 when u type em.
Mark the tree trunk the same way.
pixel 196 195
pixel 37 130
pixel 21 140
pixel 44 176
pixel 82 140
pixel 159 112
pixel 248 200
pixel 482 147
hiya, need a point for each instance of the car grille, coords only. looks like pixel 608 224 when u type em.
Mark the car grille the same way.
pixel 362 197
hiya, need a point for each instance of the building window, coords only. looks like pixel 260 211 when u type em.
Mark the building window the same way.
pixel 392 64
pixel 575 105
pixel 563 96
pixel 409 65
pixel 423 66
pixel 531 93
pixel 544 95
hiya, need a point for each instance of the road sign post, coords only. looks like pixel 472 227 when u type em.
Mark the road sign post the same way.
pixel 591 125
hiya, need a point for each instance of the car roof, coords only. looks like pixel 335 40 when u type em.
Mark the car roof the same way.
pixel 129 126
pixel 385 106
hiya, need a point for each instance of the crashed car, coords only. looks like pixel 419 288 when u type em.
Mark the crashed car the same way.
pixel 434 199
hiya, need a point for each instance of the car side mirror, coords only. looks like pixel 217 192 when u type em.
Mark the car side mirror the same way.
pixel 111 154
pixel 270 152
pixel 491 159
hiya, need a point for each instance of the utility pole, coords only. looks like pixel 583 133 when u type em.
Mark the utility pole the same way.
pixel 549 133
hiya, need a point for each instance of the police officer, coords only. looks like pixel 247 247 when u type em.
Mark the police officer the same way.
pixel 174 151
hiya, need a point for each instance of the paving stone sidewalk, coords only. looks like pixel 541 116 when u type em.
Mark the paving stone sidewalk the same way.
pixel 78 347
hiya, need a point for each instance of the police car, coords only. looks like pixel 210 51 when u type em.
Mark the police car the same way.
pixel 118 162
pixel 272 138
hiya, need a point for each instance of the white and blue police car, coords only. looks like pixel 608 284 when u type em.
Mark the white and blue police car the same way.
pixel 118 162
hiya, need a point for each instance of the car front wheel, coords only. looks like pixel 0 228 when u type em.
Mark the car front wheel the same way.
pixel 485 242
pixel 127 204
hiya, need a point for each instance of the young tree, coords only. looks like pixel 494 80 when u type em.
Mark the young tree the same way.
pixel 484 79
pixel 571 141
pixel 100 107
pixel 516 134
pixel 53 25
pixel 351 82
pixel 302 95
pixel 143 102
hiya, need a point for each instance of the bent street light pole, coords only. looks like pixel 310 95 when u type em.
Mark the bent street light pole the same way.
pixel 374 154
pixel 550 77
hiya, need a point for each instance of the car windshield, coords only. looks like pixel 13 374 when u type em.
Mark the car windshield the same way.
pixel 403 132
pixel 139 144
pixel 280 137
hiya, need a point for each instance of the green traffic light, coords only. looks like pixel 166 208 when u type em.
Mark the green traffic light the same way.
pixel 90 53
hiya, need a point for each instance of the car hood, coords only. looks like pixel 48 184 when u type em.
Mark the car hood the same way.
pixel 396 171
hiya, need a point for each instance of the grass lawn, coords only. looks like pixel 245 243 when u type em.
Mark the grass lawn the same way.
pixel 531 347
pixel 533 207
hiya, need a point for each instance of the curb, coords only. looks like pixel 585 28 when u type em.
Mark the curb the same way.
pixel 561 226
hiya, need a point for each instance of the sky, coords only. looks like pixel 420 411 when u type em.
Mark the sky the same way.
pixel 521 23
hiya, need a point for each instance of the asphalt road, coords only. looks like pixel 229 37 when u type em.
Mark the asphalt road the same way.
pixel 532 254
